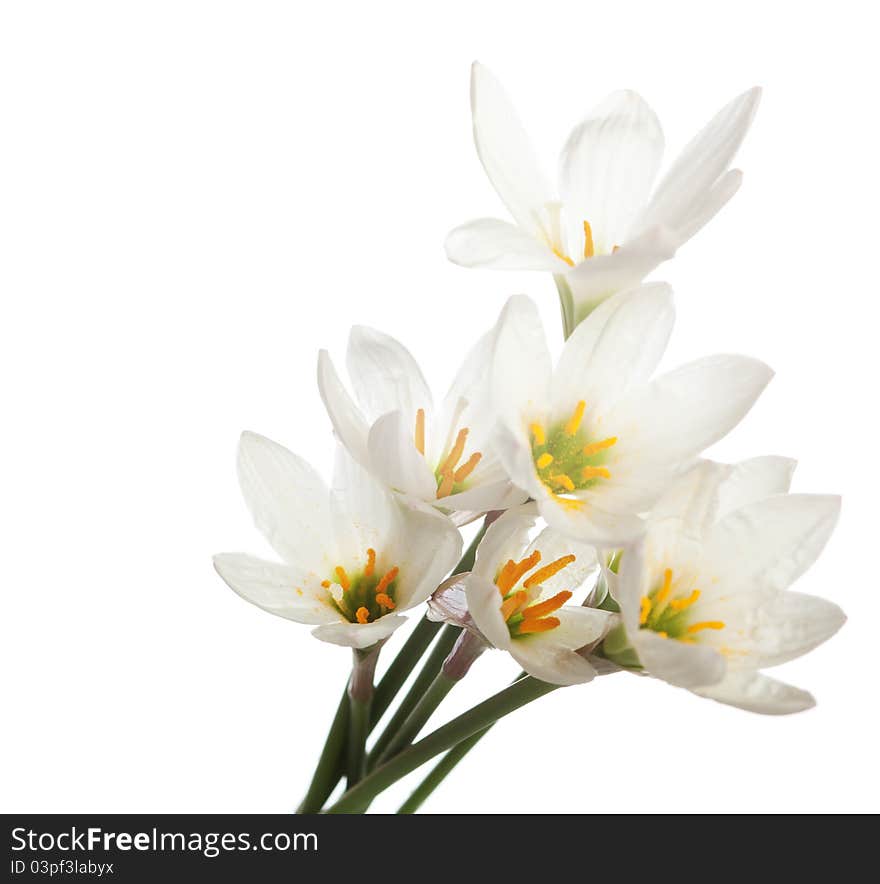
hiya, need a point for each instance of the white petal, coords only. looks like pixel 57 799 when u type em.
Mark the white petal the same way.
pixel 767 545
pixel 521 364
pixel 753 480
pixel 681 194
pixel 506 538
pixel 348 422
pixel 395 460
pixel 587 522
pixel 617 347
pixel 594 281
pixel 688 666
pixel 515 454
pixel 359 635
pixel 484 605
pixel 550 656
pixel 607 168
pixel 756 692
pixel 367 509
pixel 500 245
pixel 552 545
pixel 288 500
pixel 791 625
pixel 692 498
pixel 713 201
pixel 385 376
pixel 505 150
pixel 681 413
pixel 481 498
pixel 279 589
pixel 426 551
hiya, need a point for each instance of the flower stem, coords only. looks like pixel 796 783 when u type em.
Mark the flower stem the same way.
pixel 326 774
pixel 416 720
pixel 332 763
pixel 440 771
pixel 471 722
pixel 360 695
pixel 423 681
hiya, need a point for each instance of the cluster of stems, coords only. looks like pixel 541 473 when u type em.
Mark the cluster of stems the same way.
pixel 394 754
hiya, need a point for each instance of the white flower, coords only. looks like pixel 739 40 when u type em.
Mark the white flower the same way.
pixel 606 230
pixel 443 458
pixel 594 441
pixel 517 595
pixel 704 597
pixel 354 557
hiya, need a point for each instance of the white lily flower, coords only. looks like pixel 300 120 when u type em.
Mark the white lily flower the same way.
pixel 442 458
pixel 594 441
pixel 517 597
pixel 704 597
pixel 608 227
pixel 354 557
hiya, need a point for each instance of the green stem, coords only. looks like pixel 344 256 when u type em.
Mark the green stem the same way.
pixel 359 725
pixel 417 719
pixel 440 771
pixel 479 718
pixel 444 767
pixel 403 664
pixel 326 774
pixel 332 763
pixel 423 681
pixel 360 694
pixel 566 304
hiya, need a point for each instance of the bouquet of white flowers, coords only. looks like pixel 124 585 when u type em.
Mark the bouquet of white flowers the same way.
pixel 606 544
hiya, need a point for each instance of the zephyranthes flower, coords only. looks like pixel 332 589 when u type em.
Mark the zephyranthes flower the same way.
pixel 594 441
pixel 607 227
pixel 704 598
pixel 518 594
pixel 355 556
pixel 443 458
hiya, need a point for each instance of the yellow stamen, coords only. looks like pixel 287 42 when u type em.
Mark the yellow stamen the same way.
pixel 644 610
pixel 563 256
pixel 544 460
pixel 614 249
pixel 513 605
pixel 344 582
pixel 538 432
pixel 325 584
pixel 563 480
pixel 705 624
pixel 548 606
pixel 667 587
pixel 529 626
pixel 662 634
pixel 446 484
pixel 596 447
pixel 467 468
pixel 420 430
pixel 387 580
pixel 362 614
pixel 569 503
pixel 503 574
pixel 574 422
pixel 589 250
pixel 371 563
pixel 594 472
pixel 548 571
pixel 509 578
pixel 681 604
pixel 455 453
pixel 385 601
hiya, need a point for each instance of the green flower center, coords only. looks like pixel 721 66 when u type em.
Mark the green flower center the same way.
pixel 566 459
pixel 365 595
pixel 666 610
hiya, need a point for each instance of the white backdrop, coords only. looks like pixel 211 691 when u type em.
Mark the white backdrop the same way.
pixel 195 196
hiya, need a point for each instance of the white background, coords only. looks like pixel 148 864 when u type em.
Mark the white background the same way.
pixel 195 196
